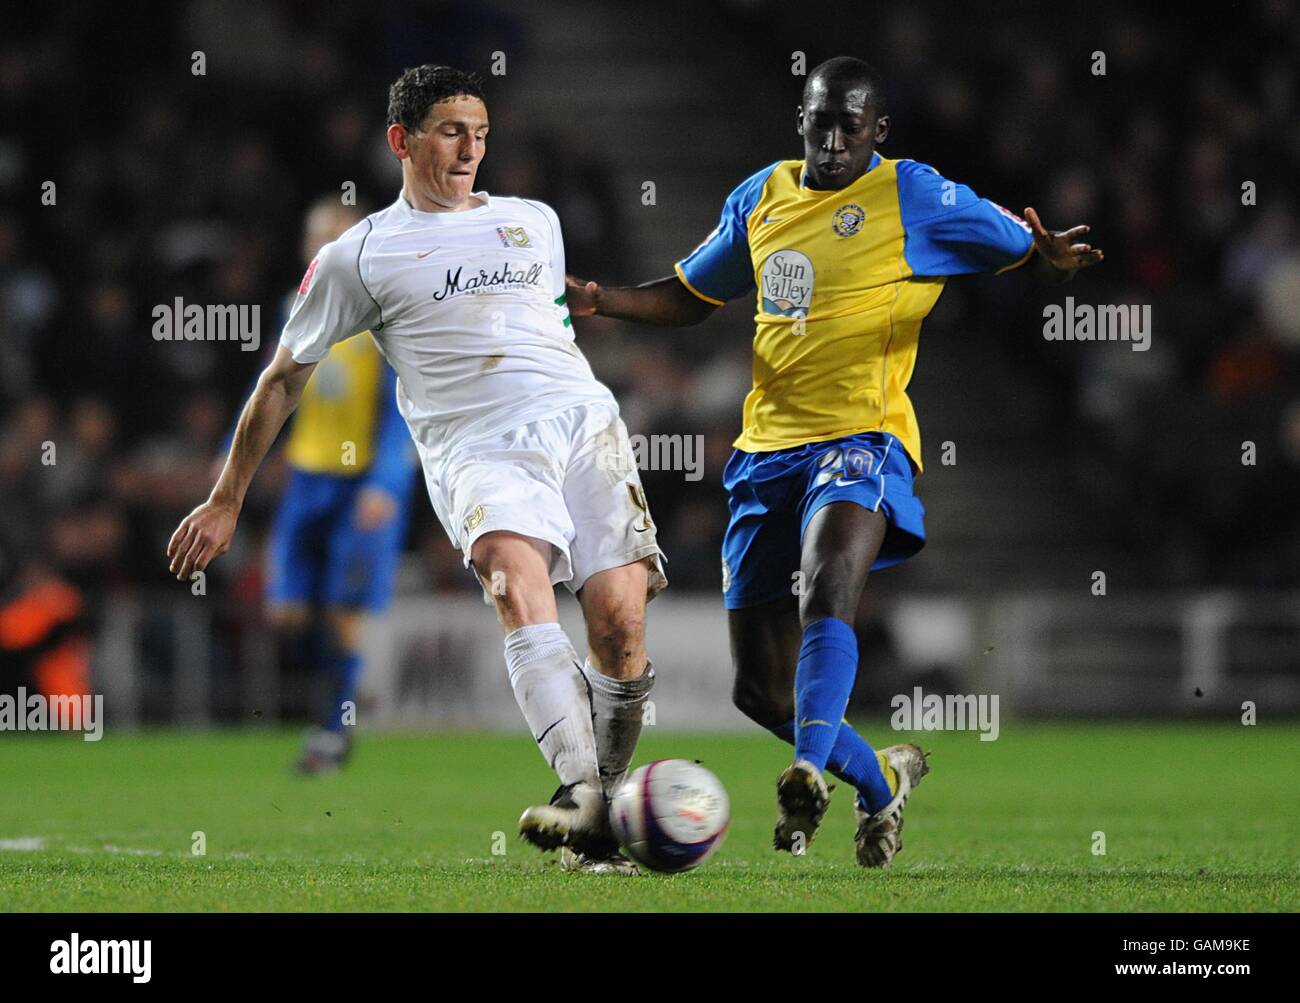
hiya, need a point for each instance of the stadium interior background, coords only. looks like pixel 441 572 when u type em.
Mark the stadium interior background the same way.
pixel 1071 458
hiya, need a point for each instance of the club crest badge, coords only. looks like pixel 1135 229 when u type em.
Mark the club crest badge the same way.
pixel 306 279
pixel 513 236
pixel 848 220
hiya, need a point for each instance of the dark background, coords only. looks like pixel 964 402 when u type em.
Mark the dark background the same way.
pixel 1070 456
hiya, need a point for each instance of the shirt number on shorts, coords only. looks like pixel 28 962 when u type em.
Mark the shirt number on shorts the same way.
pixel 844 465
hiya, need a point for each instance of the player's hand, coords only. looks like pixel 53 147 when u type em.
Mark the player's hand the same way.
pixel 1060 250
pixel 582 298
pixel 203 535
pixel 375 509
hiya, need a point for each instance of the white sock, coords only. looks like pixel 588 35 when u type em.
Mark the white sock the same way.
pixel 551 691
pixel 617 707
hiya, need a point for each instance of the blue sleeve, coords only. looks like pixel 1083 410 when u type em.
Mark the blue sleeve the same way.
pixel 721 269
pixel 395 460
pixel 949 230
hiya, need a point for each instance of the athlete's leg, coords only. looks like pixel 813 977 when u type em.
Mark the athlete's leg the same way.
pixel 840 542
pixel 840 545
pixel 299 638
pixel 550 689
pixel 765 642
pixel 295 571
pixel 613 604
pixel 335 644
pixel 287 617
pixel 515 570
pixel 343 627
pixel 616 567
pixel 619 675
pixel 544 673
pixel 360 569
pixel 764 652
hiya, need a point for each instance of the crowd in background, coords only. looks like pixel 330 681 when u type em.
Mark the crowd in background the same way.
pixel 173 185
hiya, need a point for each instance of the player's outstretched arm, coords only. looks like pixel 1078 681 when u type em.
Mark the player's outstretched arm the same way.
pixel 1059 256
pixel 206 532
pixel 665 302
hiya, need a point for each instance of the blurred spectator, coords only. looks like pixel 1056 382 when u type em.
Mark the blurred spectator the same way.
pixel 44 633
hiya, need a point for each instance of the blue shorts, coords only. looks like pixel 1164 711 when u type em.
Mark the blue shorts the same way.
pixel 773 496
pixel 317 554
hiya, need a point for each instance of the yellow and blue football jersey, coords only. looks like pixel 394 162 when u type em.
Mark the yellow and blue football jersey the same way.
pixel 843 280
pixel 334 428
pixel 347 436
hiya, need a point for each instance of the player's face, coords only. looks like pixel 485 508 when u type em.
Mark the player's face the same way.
pixel 446 150
pixel 840 130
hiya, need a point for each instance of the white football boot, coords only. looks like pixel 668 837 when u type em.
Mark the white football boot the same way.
pixel 577 817
pixel 801 800
pixel 616 863
pixel 880 835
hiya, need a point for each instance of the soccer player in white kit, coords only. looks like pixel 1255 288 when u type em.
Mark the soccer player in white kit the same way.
pixel 527 462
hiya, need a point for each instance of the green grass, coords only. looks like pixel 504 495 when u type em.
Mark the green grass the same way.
pixel 1195 818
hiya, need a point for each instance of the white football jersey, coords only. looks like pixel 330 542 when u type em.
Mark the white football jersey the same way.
pixel 468 309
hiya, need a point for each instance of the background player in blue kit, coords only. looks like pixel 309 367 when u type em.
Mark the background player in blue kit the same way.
pixel 337 538
pixel 845 252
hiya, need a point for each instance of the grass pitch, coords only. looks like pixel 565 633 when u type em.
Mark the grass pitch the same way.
pixel 1195 818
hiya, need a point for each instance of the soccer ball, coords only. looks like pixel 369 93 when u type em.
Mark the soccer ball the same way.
pixel 670 815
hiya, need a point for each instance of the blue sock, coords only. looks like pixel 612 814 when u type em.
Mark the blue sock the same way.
pixel 854 761
pixel 823 681
pixel 346 666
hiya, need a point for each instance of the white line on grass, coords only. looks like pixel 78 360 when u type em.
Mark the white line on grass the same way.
pixel 23 844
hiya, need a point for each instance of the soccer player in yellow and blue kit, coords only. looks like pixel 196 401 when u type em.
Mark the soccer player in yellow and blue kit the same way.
pixel 847 252
pixel 337 536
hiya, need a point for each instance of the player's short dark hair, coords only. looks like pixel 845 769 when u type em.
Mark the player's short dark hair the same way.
pixel 847 70
pixel 421 87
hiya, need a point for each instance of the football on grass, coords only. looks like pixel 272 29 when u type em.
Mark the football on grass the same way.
pixel 670 815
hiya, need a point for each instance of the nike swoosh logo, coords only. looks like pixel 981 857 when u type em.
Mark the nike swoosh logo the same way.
pixel 538 738
pixel 425 254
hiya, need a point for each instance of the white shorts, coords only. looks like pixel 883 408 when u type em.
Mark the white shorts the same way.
pixel 570 480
